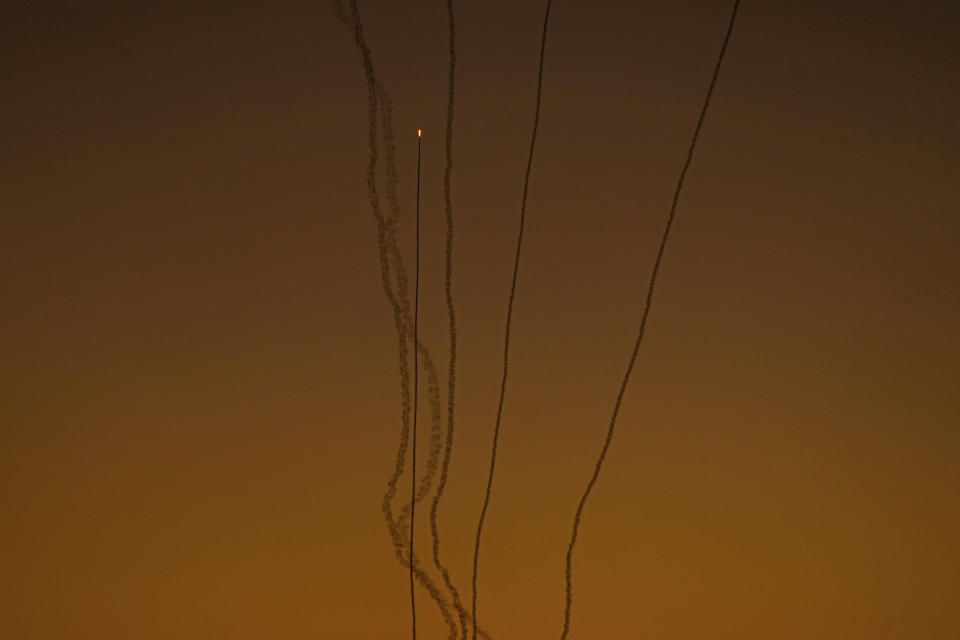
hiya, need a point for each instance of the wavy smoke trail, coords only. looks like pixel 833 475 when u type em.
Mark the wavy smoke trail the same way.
pixel 452 322
pixel 389 253
pixel 643 323
pixel 391 260
pixel 393 251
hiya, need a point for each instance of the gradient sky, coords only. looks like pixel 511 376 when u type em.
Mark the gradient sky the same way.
pixel 199 401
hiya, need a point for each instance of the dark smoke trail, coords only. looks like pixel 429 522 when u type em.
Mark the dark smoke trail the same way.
pixel 448 292
pixel 413 454
pixel 400 271
pixel 393 249
pixel 385 235
pixel 387 246
pixel 386 131
pixel 390 253
pixel 513 291
pixel 643 323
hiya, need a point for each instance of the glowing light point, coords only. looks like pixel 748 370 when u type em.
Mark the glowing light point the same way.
pixel 418 133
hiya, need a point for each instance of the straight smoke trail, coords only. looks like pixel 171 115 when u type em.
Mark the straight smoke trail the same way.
pixel 416 378
pixel 643 324
pixel 390 254
pixel 506 341
pixel 452 322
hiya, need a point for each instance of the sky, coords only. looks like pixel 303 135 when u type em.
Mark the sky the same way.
pixel 200 403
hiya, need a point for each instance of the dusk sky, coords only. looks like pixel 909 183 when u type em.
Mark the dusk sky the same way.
pixel 200 400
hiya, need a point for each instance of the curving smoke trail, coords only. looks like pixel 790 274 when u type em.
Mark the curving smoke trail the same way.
pixel 390 256
pixel 506 341
pixel 643 324
pixel 452 322
pixel 396 258
pixel 398 268
pixel 391 262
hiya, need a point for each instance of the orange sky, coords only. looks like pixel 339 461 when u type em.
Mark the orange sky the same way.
pixel 199 399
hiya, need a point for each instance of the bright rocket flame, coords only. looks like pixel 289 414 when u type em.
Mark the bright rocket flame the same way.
pixel 418 133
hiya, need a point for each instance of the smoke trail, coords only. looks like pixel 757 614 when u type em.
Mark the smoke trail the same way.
pixel 386 240
pixel 390 253
pixel 643 323
pixel 506 341
pixel 416 379
pixel 448 292
pixel 386 130
pixel 400 271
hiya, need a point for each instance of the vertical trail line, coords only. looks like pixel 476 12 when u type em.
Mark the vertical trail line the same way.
pixel 413 446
